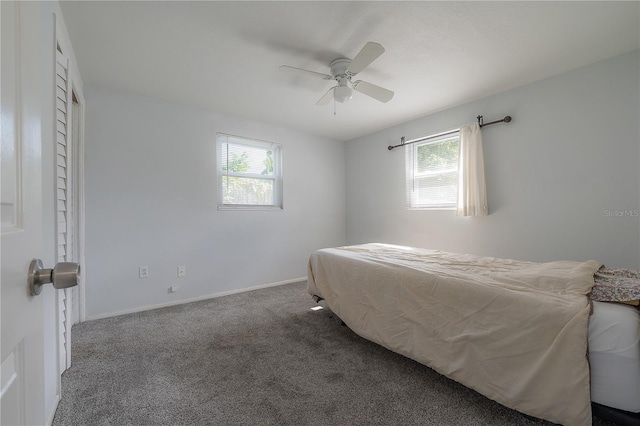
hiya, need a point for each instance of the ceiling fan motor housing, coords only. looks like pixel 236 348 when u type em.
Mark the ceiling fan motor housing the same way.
pixel 339 67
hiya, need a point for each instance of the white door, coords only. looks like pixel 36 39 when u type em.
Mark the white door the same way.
pixel 22 371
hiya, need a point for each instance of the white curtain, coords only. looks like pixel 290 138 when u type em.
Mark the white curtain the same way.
pixel 472 191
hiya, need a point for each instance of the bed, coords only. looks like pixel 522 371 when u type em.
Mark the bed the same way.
pixel 516 332
pixel 614 356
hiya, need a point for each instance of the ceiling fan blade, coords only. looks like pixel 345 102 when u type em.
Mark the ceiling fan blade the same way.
pixel 368 54
pixel 376 92
pixel 318 74
pixel 326 97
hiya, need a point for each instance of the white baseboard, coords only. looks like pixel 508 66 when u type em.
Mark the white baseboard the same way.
pixel 193 299
pixel 54 408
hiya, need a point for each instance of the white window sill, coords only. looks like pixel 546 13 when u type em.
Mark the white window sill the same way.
pixel 433 208
pixel 248 207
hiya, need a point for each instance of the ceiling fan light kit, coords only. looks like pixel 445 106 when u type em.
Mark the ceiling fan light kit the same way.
pixel 343 69
pixel 342 92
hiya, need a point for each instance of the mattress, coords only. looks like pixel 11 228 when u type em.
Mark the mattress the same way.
pixel 514 331
pixel 614 356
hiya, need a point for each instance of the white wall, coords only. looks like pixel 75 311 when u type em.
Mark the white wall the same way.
pixel 151 200
pixel 570 155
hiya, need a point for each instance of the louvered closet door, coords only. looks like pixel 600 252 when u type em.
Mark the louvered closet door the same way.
pixel 64 199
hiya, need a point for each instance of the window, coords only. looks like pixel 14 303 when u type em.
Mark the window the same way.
pixel 432 172
pixel 249 173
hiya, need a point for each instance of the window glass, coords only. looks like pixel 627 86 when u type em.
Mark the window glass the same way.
pixel 249 173
pixel 432 173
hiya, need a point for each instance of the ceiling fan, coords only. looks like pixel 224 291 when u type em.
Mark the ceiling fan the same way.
pixel 343 69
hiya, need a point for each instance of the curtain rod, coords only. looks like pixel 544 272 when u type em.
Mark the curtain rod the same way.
pixel 481 123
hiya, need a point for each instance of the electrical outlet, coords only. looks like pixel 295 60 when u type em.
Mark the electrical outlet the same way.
pixel 143 272
pixel 173 289
pixel 182 271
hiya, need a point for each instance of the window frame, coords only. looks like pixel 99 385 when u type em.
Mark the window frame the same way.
pixel 411 166
pixel 276 177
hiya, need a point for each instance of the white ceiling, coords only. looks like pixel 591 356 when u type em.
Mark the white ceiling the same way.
pixel 224 56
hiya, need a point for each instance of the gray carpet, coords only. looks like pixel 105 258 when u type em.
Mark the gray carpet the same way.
pixel 261 357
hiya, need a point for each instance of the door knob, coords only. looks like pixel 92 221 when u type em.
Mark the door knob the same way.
pixel 63 275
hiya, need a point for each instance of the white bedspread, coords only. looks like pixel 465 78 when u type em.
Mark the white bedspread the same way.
pixel 514 331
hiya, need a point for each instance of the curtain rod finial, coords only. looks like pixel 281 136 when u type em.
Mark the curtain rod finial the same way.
pixel 507 119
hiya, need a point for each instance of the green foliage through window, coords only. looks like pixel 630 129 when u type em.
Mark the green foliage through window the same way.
pixel 438 156
pixel 238 163
pixel 268 164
